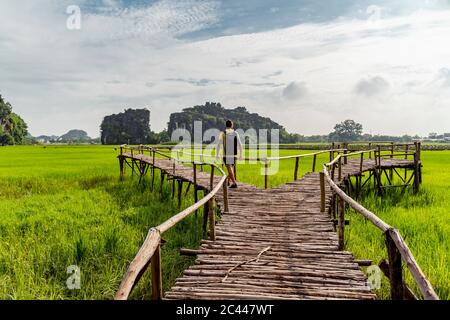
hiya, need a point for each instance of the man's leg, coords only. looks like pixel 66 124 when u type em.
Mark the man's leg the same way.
pixel 231 173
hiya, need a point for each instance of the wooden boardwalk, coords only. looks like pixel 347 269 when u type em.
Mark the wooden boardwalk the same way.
pixel 272 244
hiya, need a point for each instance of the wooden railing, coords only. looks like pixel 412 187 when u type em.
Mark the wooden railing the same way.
pixel 396 246
pixel 266 160
pixel 150 252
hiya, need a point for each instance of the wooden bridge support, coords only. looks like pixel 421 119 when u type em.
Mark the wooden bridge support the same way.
pixel 180 191
pixel 322 192
pixel 395 268
pixel 121 166
pixel 212 220
pixel 157 290
pixel 341 230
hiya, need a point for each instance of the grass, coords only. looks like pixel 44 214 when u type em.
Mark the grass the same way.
pixel 64 205
pixel 422 219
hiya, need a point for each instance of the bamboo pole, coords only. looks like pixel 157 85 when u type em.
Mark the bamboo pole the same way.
pixel 139 263
pixel 416 169
pixel 314 163
pixel 322 192
pixel 157 293
pixel 422 282
pixel 383 226
pixel 195 185
pixel 395 268
pixel 225 197
pixel 341 234
pixel 180 190
pixel 211 179
pixel 296 169
pixel 340 169
pixel 212 220
pixel 121 162
pixel 266 174
pixel 345 152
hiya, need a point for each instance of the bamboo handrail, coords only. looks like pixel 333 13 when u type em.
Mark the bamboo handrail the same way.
pixel 139 263
pixel 421 280
pixel 152 242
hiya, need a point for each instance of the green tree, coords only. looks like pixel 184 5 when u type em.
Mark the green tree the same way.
pixel 13 130
pixel 131 127
pixel 347 131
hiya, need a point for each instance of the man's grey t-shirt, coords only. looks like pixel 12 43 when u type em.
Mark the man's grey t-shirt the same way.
pixel 230 145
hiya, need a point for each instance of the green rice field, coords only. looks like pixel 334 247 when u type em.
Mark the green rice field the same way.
pixel 65 205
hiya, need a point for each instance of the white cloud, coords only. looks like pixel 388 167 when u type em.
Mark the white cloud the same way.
pixel 444 77
pixel 59 79
pixel 371 87
pixel 295 91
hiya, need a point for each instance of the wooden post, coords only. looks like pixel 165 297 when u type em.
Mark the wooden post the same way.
pixel 341 233
pixel 121 162
pixel 370 147
pixel 419 149
pixel 180 190
pixel 395 268
pixel 406 157
pixel 378 170
pixel 361 163
pixel 345 152
pixel 173 186
pixel 296 169
pixel 157 293
pixel 212 220
pixel 340 168
pixel 314 163
pixel 211 179
pixel 266 173
pixel 332 152
pixel 205 215
pixel 162 181
pixel 225 196
pixel 322 192
pixel 416 169
pixel 194 166
pixel 391 171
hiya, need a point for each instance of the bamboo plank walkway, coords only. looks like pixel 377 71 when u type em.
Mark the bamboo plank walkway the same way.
pixel 272 244
pixel 353 166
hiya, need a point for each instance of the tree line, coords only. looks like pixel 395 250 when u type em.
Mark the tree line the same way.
pixel 13 129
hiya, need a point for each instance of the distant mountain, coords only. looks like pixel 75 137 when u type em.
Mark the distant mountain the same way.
pixel 131 127
pixel 46 139
pixel 213 115
pixel 72 136
pixel 75 136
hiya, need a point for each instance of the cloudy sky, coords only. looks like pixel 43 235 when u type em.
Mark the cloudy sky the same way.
pixel 307 64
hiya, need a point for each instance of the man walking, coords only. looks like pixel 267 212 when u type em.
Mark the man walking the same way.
pixel 230 141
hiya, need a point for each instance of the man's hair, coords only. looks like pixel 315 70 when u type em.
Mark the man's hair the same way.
pixel 229 124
